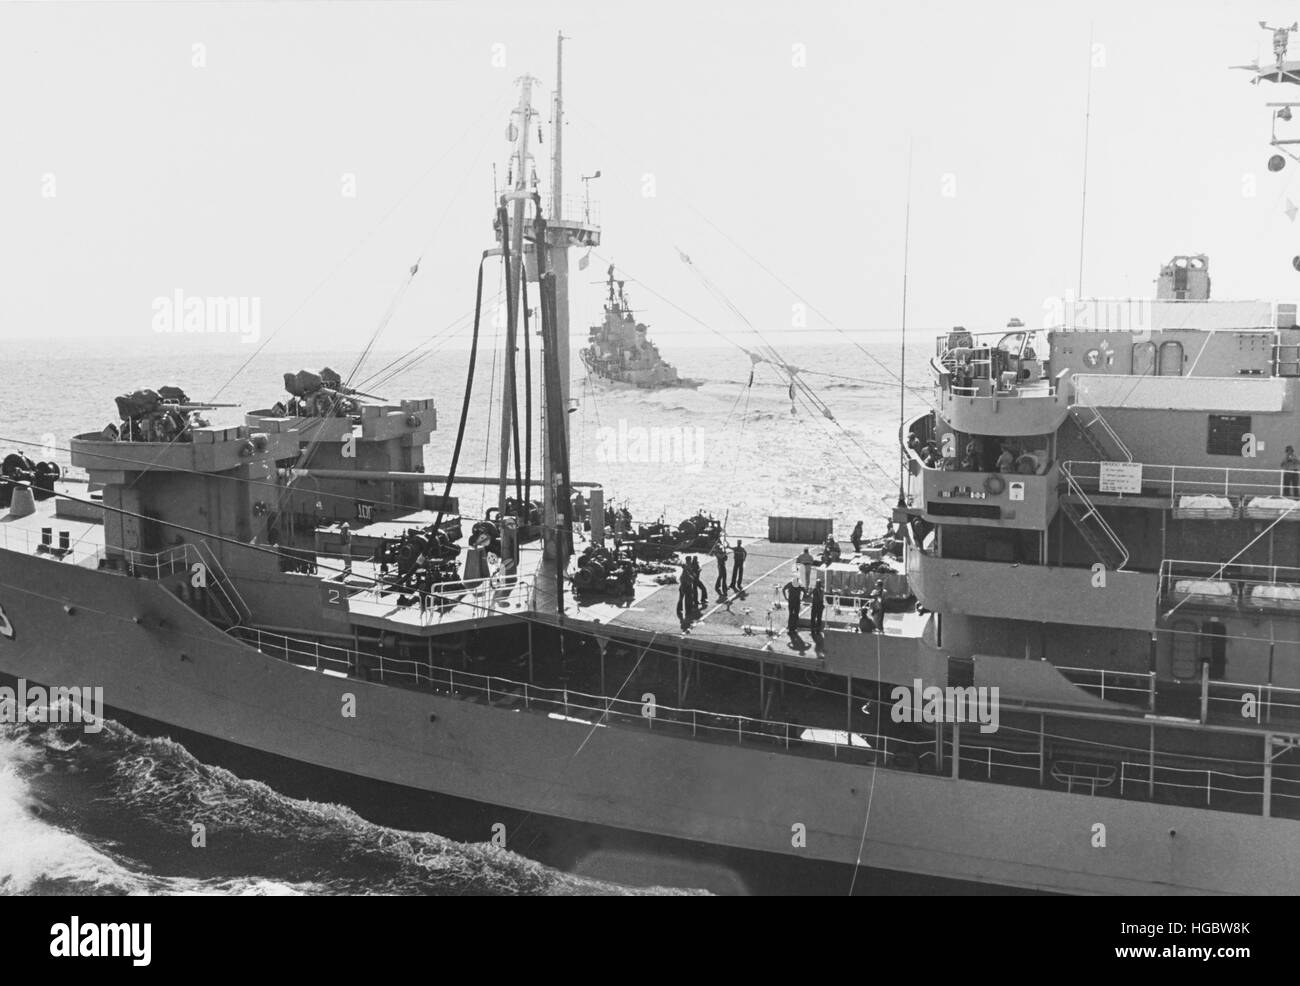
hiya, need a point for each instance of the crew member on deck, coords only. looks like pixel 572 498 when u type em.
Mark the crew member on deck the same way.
pixel 856 538
pixel 830 550
pixel 876 602
pixel 720 583
pixel 817 607
pixel 1290 473
pixel 793 593
pixel 806 561
pixel 700 591
pixel 738 555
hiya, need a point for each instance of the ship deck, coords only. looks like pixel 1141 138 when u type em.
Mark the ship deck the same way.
pixel 746 623
pixel 81 522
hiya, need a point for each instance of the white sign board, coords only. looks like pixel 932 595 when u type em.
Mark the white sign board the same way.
pixel 1121 477
pixel 1016 490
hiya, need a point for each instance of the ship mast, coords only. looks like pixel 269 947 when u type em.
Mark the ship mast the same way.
pixel 557 134
pixel 561 233
pixel 519 195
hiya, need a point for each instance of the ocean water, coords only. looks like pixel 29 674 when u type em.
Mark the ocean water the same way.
pixel 89 813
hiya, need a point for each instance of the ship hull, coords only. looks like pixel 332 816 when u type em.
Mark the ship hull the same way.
pixel 609 384
pixel 161 664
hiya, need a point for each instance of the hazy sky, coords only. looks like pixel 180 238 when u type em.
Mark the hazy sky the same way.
pixel 136 164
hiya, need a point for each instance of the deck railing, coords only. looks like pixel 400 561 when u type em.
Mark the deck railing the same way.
pixel 1015 755
pixel 491 596
pixel 595 710
pixel 1131 687
pixel 1176 481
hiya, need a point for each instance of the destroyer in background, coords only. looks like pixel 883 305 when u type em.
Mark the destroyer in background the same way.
pixel 619 354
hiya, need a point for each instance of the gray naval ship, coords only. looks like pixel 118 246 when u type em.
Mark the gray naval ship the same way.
pixel 1099 692
pixel 619 352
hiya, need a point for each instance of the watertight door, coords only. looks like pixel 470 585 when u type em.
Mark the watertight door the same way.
pixel 1215 640
pixel 1144 359
pixel 1186 660
pixel 1171 359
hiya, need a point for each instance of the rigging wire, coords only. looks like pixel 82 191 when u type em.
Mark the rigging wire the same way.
pixel 492 112
pixel 923 397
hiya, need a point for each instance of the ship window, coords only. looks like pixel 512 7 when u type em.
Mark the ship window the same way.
pixel 1144 359
pixel 1227 433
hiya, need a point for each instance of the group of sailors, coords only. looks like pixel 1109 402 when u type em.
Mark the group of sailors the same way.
pixel 617 520
pixel 692 596
pixel 871 618
pixel 1010 460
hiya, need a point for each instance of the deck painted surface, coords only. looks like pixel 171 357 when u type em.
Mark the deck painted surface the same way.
pixel 740 621
pixel 85 538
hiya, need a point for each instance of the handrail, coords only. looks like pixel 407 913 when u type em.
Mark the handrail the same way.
pixel 238 607
pixel 1241 571
pixel 567 701
pixel 1077 490
pixel 1099 418
pixel 1192 480
pixel 1143 682
pixel 1022 763
pixel 490 595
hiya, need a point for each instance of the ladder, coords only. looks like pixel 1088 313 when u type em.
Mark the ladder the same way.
pixel 1089 421
pixel 1089 522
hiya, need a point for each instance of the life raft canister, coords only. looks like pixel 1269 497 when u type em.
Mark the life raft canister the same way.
pixel 994 484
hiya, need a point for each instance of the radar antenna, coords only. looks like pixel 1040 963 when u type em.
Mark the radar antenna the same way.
pixel 1281 38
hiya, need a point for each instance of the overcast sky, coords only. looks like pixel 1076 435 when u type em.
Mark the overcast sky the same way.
pixel 206 148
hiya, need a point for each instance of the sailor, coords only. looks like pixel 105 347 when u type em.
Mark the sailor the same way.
pixel 876 602
pixel 1290 473
pixel 856 538
pixel 686 594
pixel 1007 460
pixel 738 555
pixel 793 593
pixel 970 462
pixel 866 622
pixel 720 583
pixel 579 507
pixel 817 607
pixel 894 540
pixel 699 582
pixel 830 550
pixel 806 561
pixel 346 533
